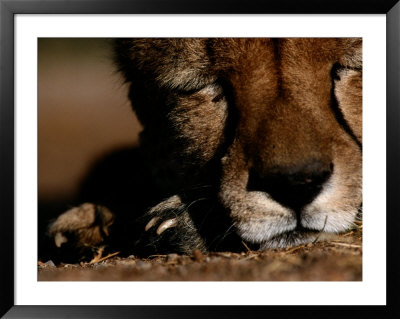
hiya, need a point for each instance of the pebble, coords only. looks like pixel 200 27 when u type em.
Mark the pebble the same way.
pixel 50 263
pixel 198 255
pixel 100 265
pixel 142 265
pixel 172 257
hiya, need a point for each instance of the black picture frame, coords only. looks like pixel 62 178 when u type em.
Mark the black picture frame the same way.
pixel 8 10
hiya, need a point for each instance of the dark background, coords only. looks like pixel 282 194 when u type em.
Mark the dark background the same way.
pixel 83 114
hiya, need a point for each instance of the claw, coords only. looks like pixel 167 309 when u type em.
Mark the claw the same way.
pixel 60 239
pixel 166 224
pixel 151 223
pixel 105 230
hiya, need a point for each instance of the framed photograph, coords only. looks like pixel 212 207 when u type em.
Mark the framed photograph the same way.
pixel 275 115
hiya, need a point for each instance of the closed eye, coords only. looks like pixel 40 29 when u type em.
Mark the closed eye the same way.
pixel 218 98
pixel 337 68
pixel 336 72
pixel 214 91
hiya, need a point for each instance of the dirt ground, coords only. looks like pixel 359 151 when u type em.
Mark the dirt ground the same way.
pixel 339 259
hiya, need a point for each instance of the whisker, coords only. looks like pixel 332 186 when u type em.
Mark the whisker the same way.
pixel 201 186
pixel 221 238
pixel 322 230
pixel 197 200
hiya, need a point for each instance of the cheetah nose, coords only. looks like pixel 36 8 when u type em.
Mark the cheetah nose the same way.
pixel 293 187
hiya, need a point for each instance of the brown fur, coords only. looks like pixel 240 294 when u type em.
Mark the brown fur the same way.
pixel 269 108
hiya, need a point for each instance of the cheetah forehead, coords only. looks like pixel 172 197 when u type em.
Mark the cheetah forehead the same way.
pixel 181 64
